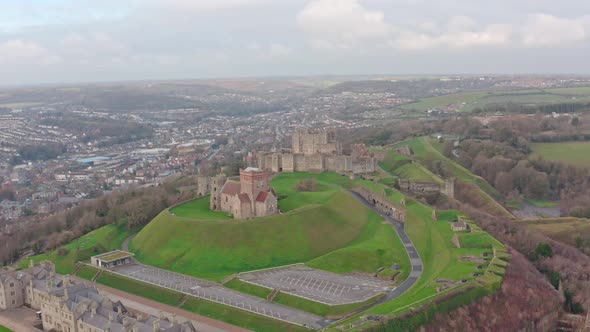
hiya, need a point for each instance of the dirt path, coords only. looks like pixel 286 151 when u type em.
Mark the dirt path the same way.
pixel 138 303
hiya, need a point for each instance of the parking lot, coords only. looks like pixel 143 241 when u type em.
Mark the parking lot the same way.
pixel 216 293
pixel 317 285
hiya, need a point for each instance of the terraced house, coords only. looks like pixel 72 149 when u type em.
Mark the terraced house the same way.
pixel 68 306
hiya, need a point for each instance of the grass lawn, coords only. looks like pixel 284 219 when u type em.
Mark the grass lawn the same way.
pixel 328 222
pixel 99 241
pixel 132 286
pixel 248 288
pixel 573 153
pixel 5 329
pixel 541 203
pixel 87 272
pixel 199 209
pixel 238 317
pixel 320 308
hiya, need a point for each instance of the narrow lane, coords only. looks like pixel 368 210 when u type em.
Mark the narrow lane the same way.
pixel 415 260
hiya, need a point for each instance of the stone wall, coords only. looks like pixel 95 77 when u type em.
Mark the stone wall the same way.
pixel 383 204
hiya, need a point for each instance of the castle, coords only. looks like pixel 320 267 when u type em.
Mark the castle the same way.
pixel 317 150
pixel 251 197
pixel 65 305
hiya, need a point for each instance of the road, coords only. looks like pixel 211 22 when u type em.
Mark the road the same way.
pixel 415 260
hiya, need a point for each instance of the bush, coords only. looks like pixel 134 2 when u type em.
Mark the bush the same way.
pixel 307 185
pixel 543 250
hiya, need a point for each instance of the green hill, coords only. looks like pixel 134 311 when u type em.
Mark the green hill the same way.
pixel 101 240
pixel 318 223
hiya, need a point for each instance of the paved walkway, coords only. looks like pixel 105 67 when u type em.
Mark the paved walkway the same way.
pixel 415 260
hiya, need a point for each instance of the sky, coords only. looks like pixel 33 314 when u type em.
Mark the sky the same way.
pixel 52 41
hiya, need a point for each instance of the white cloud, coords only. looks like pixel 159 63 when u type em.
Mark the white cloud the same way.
pixel 342 23
pixel 549 30
pixel 25 52
pixel 459 32
pixel 208 5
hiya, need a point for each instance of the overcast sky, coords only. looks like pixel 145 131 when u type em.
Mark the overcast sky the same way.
pixel 106 40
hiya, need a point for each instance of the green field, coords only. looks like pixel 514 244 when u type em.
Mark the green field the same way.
pixel 199 209
pixel 573 153
pixel 321 227
pixel 99 241
pixel 5 329
pixel 467 101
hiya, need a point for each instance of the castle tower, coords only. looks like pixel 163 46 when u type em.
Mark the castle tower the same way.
pixel 216 184
pixel 449 188
pixel 202 185
pixel 253 181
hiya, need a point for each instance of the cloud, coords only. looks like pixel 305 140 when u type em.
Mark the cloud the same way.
pixel 455 36
pixel 549 30
pixel 19 51
pixel 207 5
pixel 342 23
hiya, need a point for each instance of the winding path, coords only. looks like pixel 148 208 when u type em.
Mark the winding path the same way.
pixel 415 260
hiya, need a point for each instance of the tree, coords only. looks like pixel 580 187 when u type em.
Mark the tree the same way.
pixel 543 250
pixel 575 121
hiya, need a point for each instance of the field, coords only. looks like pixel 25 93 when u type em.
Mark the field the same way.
pixel 467 101
pixel 573 153
pixel 101 240
pixel 567 230
pixel 320 227
pixel 5 329
pixel 20 105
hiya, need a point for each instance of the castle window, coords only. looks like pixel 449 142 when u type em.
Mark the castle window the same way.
pixel 12 284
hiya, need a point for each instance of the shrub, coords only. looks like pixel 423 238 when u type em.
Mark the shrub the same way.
pixel 307 185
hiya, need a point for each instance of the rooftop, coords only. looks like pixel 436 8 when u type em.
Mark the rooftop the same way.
pixel 113 255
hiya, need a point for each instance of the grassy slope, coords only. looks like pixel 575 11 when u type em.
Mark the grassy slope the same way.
pixel 5 329
pixel 322 309
pixel 248 288
pixel 87 272
pixel 424 147
pixel 101 240
pixel 199 209
pixel 574 153
pixel 441 258
pixel 325 221
pixel 403 167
